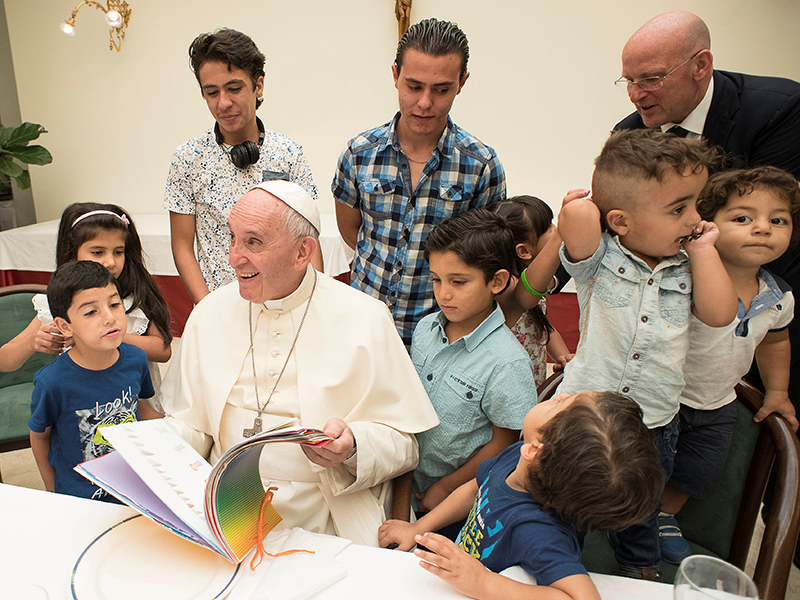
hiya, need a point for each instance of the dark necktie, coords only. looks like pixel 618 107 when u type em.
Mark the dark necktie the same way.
pixel 679 131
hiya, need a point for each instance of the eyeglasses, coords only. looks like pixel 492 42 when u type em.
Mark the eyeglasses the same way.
pixel 649 84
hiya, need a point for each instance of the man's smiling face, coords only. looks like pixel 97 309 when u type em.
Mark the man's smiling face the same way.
pixel 262 252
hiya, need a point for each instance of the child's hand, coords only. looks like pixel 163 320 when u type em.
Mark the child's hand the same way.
pixel 561 361
pixel 777 402
pixel 575 195
pixel 452 564
pixel 433 496
pixel 48 339
pixel 396 532
pixel 704 236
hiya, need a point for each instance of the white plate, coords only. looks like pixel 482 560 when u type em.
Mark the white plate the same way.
pixel 137 559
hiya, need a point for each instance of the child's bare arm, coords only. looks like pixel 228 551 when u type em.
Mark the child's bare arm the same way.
pixel 539 274
pixel 773 356
pixel 558 351
pixel 153 344
pixel 36 337
pixel 466 574
pixel 453 508
pixel 501 439
pixel 714 298
pixel 147 412
pixel 40 444
pixel 579 224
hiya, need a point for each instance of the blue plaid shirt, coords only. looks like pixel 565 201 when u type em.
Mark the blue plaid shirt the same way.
pixel 374 176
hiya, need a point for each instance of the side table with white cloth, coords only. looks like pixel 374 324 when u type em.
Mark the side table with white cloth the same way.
pixel 44 536
pixel 27 255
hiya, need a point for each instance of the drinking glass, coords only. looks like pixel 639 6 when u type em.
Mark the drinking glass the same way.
pixel 29 591
pixel 703 577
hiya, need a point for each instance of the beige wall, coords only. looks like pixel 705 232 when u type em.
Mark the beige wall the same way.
pixel 540 89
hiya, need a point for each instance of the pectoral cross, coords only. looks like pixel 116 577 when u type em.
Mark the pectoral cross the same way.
pixel 256 428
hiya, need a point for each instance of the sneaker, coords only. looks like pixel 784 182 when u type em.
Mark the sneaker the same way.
pixel 673 547
pixel 646 573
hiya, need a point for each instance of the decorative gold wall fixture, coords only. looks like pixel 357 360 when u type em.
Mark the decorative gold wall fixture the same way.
pixel 117 16
pixel 402 10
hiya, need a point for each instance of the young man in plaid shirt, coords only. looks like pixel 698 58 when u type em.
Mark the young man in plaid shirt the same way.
pixel 395 182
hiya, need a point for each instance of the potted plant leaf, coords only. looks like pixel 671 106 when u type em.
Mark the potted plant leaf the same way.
pixel 14 145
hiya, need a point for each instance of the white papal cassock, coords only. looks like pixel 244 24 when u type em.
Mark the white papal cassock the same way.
pixel 349 362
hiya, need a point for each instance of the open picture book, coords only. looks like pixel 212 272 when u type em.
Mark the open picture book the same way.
pixel 159 474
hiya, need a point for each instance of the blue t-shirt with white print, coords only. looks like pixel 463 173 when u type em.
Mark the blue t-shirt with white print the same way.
pixel 506 527
pixel 78 403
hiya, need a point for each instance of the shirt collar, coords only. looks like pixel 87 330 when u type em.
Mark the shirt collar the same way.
pixel 696 120
pixel 297 297
pixel 769 294
pixel 448 139
pixel 391 136
pixel 476 336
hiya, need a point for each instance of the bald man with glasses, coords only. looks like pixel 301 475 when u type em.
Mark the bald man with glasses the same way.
pixel 668 73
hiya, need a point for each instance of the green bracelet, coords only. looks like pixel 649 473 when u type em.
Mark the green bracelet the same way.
pixel 529 288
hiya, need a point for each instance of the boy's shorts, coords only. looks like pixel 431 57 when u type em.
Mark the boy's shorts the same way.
pixel 703 444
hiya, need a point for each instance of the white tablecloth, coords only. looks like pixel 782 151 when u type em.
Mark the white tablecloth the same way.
pixel 43 535
pixel 33 248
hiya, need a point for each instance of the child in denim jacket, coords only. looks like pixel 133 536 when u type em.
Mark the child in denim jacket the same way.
pixel 642 261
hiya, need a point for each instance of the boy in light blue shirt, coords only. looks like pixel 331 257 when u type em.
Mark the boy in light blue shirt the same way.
pixel 479 378
pixel 758 214
pixel 642 261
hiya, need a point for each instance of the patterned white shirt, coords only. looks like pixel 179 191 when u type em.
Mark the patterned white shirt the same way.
pixel 718 357
pixel 204 182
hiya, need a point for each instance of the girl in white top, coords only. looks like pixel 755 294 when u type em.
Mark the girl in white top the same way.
pixel 102 233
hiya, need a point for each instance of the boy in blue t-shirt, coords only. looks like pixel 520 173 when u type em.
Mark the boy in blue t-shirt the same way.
pixel 97 383
pixel 586 463
pixel 479 378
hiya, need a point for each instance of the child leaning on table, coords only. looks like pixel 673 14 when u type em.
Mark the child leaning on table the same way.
pixel 757 212
pixel 105 234
pixel 586 463
pixel 639 276
pixel 96 383
pixel 479 378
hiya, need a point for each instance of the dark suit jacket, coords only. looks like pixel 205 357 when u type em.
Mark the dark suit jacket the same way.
pixel 756 120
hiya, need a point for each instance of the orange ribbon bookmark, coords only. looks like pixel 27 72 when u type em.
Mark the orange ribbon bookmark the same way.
pixel 260 552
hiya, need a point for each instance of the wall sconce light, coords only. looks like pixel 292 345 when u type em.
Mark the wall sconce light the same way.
pixel 117 16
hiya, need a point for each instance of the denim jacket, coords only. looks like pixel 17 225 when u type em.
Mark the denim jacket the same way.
pixel 634 323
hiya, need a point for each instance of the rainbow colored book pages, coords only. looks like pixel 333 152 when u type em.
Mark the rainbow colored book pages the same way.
pixel 159 474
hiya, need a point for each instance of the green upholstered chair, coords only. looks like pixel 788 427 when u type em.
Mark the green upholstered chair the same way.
pixel 722 524
pixel 16 312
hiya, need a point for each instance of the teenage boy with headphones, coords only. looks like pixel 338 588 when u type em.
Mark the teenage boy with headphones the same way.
pixel 210 172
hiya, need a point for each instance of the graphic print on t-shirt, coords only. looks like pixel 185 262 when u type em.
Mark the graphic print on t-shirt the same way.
pixel 92 420
pixel 472 534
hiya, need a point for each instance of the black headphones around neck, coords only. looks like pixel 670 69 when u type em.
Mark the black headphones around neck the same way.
pixel 245 154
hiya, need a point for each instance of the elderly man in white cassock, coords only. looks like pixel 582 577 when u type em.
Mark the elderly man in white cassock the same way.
pixel 283 342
